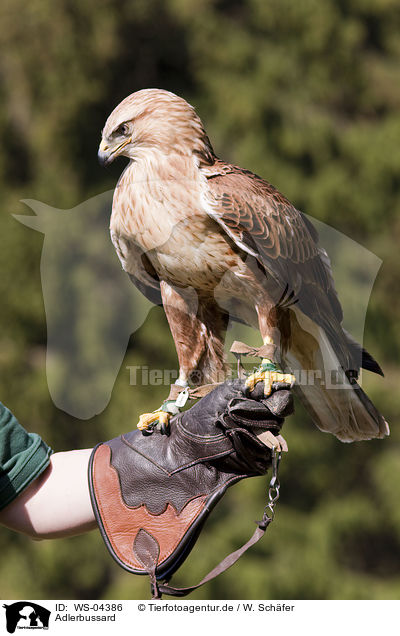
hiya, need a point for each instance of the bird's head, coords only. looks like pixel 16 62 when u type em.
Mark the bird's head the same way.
pixel 154 121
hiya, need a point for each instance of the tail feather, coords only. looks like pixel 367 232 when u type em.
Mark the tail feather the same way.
pixel 341 408
pixel 361 355
pixel 379 420
pixel 348 414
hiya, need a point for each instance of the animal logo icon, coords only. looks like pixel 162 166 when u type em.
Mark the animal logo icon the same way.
pixel 25 615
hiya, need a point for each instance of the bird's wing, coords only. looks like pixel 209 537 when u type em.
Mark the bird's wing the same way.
pixel 137 265
pixel 263 223
pixel 266 225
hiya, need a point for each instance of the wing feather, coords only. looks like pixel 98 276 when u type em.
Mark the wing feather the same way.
pixel 133 259
pixel 265 224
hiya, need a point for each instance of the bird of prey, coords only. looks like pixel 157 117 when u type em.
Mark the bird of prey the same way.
pixel 209 240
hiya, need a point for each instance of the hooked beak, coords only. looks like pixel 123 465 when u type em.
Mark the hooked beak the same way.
pixel 106 154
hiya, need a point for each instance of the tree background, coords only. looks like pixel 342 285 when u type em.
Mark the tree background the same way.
pixel 308 96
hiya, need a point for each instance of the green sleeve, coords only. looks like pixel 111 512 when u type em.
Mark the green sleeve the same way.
pixel 23 456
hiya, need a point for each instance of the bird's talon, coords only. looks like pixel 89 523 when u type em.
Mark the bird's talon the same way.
pixel 165 428
pixel 146 432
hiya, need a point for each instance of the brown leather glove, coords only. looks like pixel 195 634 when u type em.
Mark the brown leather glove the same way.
pixel 152 494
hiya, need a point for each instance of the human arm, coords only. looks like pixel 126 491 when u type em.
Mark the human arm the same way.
pixel 43 495
pixel 57 503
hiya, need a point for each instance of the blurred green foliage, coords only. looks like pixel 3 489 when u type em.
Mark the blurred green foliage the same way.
pixel 306 94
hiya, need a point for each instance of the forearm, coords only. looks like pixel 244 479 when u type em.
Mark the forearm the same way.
pixel 57 504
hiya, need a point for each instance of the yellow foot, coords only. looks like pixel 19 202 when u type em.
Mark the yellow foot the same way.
pixel 147 420
pixel 269 374
pixel 162 416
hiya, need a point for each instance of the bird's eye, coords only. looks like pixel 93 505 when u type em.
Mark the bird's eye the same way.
pixel 122 129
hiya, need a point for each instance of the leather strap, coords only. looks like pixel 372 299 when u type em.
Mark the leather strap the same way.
pixel 242 349
pixel 195 393
pixel 224 565
pixel 200 391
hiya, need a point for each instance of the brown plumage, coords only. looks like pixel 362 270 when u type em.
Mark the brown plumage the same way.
pixel 209 240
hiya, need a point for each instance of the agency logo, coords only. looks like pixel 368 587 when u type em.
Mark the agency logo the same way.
pixel 26 615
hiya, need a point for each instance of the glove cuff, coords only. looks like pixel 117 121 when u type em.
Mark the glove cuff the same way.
pixel 139 540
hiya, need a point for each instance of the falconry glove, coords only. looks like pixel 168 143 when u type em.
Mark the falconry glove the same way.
pixel 151 494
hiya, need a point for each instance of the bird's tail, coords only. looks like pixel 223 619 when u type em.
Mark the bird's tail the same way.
pixel 348 413
pixel 361 355
pixel 336 403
